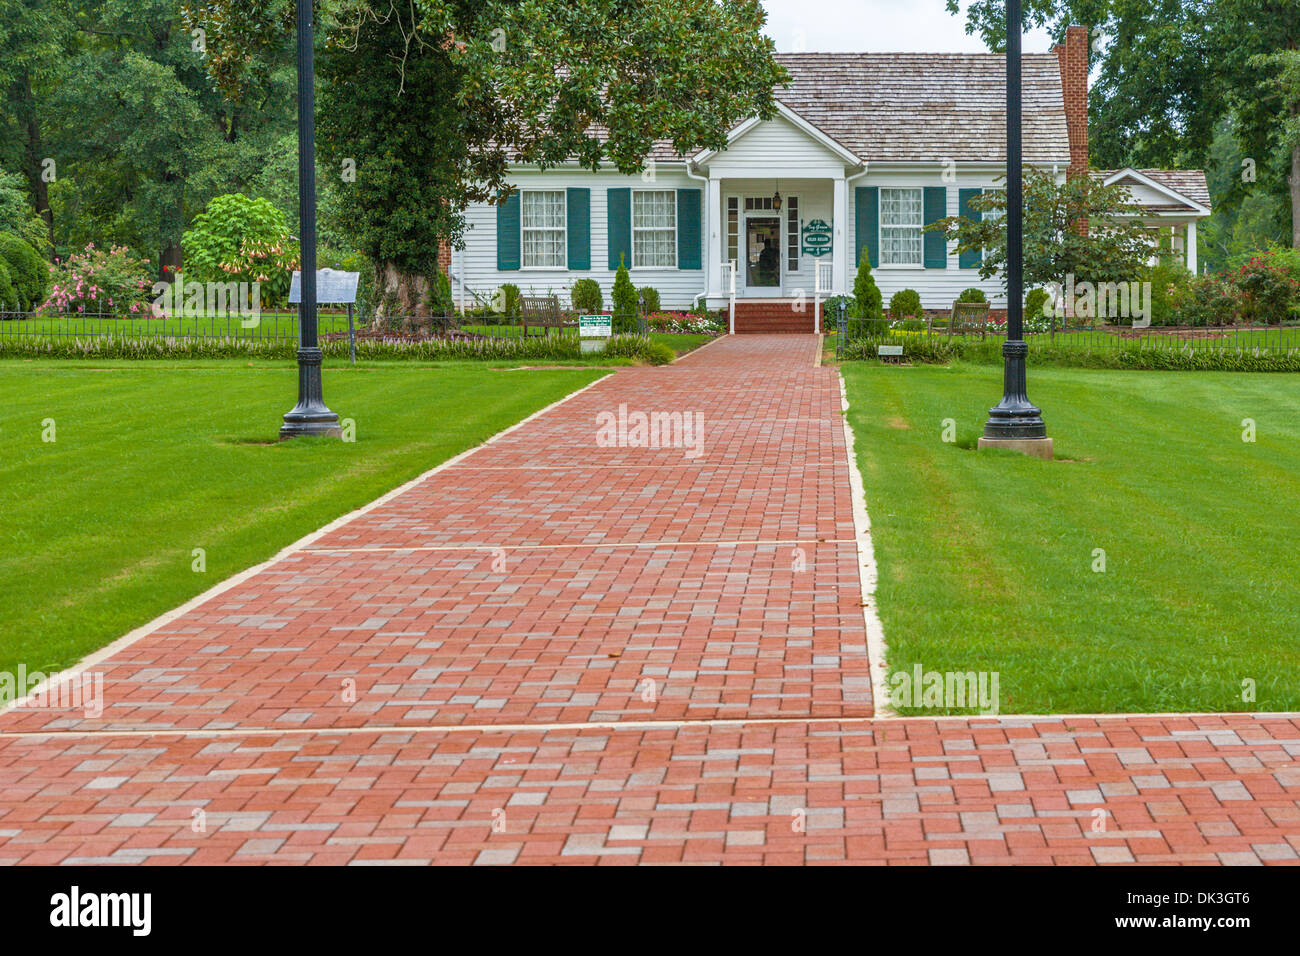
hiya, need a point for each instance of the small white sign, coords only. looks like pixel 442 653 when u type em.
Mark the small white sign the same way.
pixel 595 326
pixel 884 350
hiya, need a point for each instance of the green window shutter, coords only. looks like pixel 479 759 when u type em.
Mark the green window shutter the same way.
pixel 688 229
pixel 578 204
pixel 508 233
pixel 935 207
pixel 619 220
pixel 971 258
pixel 866 225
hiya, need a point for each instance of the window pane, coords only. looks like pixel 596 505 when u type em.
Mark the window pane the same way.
pixel 654 229
pixel 542 218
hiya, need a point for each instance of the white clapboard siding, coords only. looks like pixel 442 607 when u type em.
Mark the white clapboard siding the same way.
pixel 677 288
pixel 937 287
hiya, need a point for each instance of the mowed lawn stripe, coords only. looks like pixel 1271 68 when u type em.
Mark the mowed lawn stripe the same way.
pixel 986 559
pixel 149 463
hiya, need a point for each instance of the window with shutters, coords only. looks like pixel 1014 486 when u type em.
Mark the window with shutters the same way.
pixel 654 229
pixel 900 227
pixel 543 228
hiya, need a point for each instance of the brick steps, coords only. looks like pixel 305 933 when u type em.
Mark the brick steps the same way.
pixel 768 318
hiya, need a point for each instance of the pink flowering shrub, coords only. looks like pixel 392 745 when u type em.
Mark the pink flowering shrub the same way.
pixel 103 281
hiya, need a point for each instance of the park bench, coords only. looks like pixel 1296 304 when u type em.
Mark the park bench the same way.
pixel 967 318
pixel 542 312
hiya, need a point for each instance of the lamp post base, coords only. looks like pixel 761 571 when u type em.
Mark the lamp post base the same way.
pixel 310 416
pixel 1037 447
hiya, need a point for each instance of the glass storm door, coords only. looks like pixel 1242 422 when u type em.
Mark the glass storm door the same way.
pixel 763 253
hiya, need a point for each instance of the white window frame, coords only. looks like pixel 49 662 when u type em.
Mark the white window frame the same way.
pixel 524 229
pixel 672 194
pixel 919 228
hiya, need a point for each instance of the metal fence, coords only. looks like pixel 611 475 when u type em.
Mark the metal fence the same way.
pixel 283 326
pixel 1274 339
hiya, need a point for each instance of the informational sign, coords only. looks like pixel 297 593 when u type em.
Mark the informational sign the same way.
pixel 595 326
pixel 894 351
pixel 332 287
pixel 817 238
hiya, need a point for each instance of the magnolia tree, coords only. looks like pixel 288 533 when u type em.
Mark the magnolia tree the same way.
pixel 1059 252
pixel 423 105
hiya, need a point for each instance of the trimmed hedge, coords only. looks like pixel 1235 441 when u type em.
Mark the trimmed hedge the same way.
pixel 28 272
pixel 988 351
pixel 512 348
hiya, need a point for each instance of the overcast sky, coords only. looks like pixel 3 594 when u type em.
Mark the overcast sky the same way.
pixel 853 26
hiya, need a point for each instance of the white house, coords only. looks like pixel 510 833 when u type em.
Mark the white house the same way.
pixel 866 149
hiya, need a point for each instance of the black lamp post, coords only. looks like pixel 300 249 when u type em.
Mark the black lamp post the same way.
pixel 1015 422
pixel 310 416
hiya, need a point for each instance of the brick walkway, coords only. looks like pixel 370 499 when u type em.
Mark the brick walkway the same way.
pixel 558 650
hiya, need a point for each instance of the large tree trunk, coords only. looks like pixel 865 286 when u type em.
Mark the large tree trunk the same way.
pixel 1295 193
pixel 401 298
pixel 32 157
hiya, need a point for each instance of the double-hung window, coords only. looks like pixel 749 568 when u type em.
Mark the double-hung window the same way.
pixel 543 219
pixel 654 229
pixel 900 227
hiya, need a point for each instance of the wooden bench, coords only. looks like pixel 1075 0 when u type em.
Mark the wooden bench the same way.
pixel 543 312
pixel 968 318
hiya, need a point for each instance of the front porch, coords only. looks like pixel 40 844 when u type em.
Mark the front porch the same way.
pixel 777 240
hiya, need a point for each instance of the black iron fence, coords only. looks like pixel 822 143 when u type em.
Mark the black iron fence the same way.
pixel 1255 339
pixel 278 326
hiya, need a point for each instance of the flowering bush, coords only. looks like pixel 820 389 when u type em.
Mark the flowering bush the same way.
pixel 1268 291
pixel 1208 300
pixel 683 323
pixel 98 281
pixel 238 239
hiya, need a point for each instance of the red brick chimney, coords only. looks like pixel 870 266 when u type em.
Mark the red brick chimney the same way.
pixel 1072 57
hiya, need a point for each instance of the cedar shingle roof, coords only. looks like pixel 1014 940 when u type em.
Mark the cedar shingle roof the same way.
pixel 1186 182
pixel 923 107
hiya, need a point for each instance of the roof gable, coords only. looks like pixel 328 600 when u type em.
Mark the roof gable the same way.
pixel 1164 190
pixel 788 131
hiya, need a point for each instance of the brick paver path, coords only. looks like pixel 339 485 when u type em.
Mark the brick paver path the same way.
pixel 563 650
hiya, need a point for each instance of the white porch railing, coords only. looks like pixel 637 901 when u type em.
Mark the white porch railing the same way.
pixel 822 283
pixel 731 305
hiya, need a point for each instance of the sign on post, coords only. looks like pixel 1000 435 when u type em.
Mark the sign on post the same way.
pixel 593 330
pixel 333 287
pixel 889 351
pixel 817 238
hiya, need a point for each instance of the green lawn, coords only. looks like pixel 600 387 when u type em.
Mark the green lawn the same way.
pixel 987 558
pixel 152 460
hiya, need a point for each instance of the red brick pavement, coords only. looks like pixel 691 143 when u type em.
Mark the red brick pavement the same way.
pixel 554 651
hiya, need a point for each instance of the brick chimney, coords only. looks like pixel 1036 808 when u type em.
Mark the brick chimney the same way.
pixel 1072 57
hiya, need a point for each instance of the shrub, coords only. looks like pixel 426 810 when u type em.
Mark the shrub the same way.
pixel 507 299
pixel 649 297
pixel 1169 281
pixel 1268 291
pixel 97 281
pixel 866 293
pixel 905 304
pixel 1206 300
pixel 238 239
pixel 685 322
pixel 831 308
pixel 972 295
pixel 639 347
pixel 28 272
pixel 1035 299
pixel 586 297
pixel 8 295
pixel 624 294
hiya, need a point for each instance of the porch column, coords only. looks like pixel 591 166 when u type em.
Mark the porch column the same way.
pixel 715 220
pixel 840 249
pixel 1190 243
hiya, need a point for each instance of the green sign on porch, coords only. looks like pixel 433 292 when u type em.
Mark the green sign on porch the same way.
pixel 816 238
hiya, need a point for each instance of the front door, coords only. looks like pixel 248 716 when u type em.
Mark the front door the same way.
pixel 763 253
